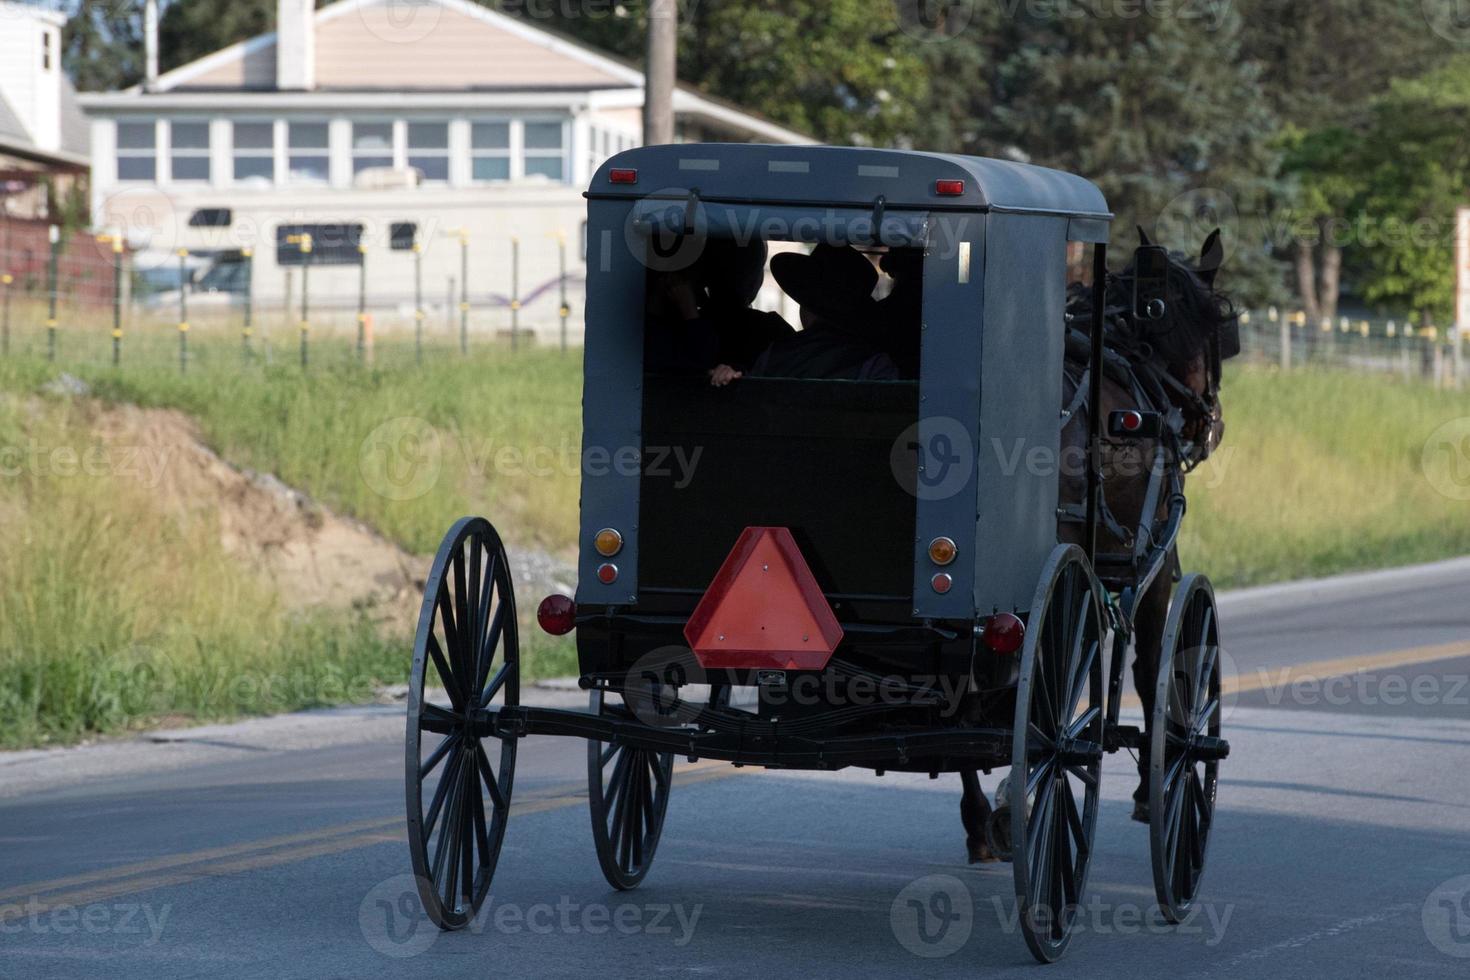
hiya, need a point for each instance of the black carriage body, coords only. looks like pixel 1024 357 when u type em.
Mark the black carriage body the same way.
pixel 864 473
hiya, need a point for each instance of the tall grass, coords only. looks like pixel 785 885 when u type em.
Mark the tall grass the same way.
pixel 113 611
pixel 1323 472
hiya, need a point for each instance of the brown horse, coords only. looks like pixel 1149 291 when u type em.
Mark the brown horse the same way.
pixel 1182 351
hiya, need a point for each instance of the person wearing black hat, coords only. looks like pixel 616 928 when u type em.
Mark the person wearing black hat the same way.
pixel 841 322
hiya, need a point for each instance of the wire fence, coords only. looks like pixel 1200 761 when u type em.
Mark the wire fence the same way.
pixel 1423 353
pixel 90 300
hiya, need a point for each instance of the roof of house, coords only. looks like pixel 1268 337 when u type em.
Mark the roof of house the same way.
pixel 448 46
pixel 75 134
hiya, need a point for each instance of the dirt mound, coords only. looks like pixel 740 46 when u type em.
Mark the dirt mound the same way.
pixel 314 557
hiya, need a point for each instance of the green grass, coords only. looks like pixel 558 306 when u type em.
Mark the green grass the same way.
pixel 114 613
pixel 1324 472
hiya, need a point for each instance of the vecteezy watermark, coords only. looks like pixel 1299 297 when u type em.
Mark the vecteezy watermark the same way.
pixel 1363 689
pixel 1445 460
pixel 392 919
pixel 1450 19
pixel 144 464
pixel 1099 917
pixel 933 459
pixel 38 918
pixel 1446 917
pixel 401 459
pixel 933 916
pixel 935 20
pixel 401 21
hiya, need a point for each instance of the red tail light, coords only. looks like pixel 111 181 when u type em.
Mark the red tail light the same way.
pixel 557 615
pixel 1004 634
pixel 619 175
pixel 949 188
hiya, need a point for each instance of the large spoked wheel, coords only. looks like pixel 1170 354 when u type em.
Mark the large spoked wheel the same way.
pixel 628 795
pixel 1056 762
pixel 1185 747
pixel 466 659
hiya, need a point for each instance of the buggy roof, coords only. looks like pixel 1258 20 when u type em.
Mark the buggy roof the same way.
pixel 828 176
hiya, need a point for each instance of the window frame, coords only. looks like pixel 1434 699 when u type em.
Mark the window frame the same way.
pixel 444 153
pixel 560 154
pixel 324 153
pixel 506 153
pixel 121 153
pixel 375 155
pixel 253 153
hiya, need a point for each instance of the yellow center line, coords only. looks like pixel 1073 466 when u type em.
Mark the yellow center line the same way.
pixel 275 851
pixel 1313 671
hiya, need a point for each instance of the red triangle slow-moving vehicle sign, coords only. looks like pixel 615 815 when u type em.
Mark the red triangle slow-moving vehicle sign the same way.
pixel 764 609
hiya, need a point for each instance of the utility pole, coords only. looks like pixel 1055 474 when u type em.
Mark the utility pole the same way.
pixel 661 70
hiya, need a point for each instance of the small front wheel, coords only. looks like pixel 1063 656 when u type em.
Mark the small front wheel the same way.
pixel 628 794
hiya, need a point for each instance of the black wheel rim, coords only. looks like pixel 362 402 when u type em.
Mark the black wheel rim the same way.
pixel 1057 752
pixel 628 795
pixel 1182 780
pixel 459 776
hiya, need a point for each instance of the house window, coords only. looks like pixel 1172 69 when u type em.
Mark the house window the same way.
pixel 137 151
pixel 189 150
pixel 372 146
pixel 490 151
pixel 310 156
pixel 402 235
pixel 428 150
pixel 544 149
pixel 255 151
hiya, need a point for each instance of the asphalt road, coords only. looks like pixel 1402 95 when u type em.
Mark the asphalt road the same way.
pixel 275 849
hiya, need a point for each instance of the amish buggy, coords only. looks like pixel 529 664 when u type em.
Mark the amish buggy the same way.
pixel 920 559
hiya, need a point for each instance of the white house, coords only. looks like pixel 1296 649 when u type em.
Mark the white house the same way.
pixel 42 131
pixel 382 122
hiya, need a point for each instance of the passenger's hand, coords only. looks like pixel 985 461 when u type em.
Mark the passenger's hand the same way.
pixel 723 374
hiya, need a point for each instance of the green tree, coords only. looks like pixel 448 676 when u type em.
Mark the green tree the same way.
pixel 1416 165
pixel 102 44
pixel 1322 65
pixel 190 29
pixel 842 70
pixel 1160 111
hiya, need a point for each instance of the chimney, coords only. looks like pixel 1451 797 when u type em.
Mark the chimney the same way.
pixel 295 44
pixel 150 45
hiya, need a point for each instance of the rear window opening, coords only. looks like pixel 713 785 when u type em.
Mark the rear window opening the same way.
pixel 781 389
pixel 729 310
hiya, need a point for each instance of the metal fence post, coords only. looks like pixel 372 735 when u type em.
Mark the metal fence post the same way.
pixel 306 249
pixel 418 301
pixel 464 291
pixel 361 301
pixel 245 331
pixel 449 307
pixel 54 233
pixel 6 281
pixel 1285 329
pixel 515 292
pixel 117 270
pixel 563 310
pixel 183 312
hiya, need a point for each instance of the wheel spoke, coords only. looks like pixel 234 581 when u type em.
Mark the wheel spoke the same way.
pixel 1080 680
pixel 1074 820
pixel 619 774
pixel 447 781
pixel 474 619
pixel 1084 775
pixel 435 719
pixel 493 688
pixel 482 834
pixel 449 832
pixel 435 757
pixel 1040 815
pixel 489 777
pixel 490 643
pixel 446 676
pixel 661 772
pixel 1081 725
pixel 1040 773
pixel 607 756
pixel 1044 740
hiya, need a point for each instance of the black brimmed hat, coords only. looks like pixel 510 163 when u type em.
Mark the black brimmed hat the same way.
pixel 836 283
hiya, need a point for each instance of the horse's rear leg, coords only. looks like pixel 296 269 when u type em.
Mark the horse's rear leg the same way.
pixel 975 814
pixel 1148 639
